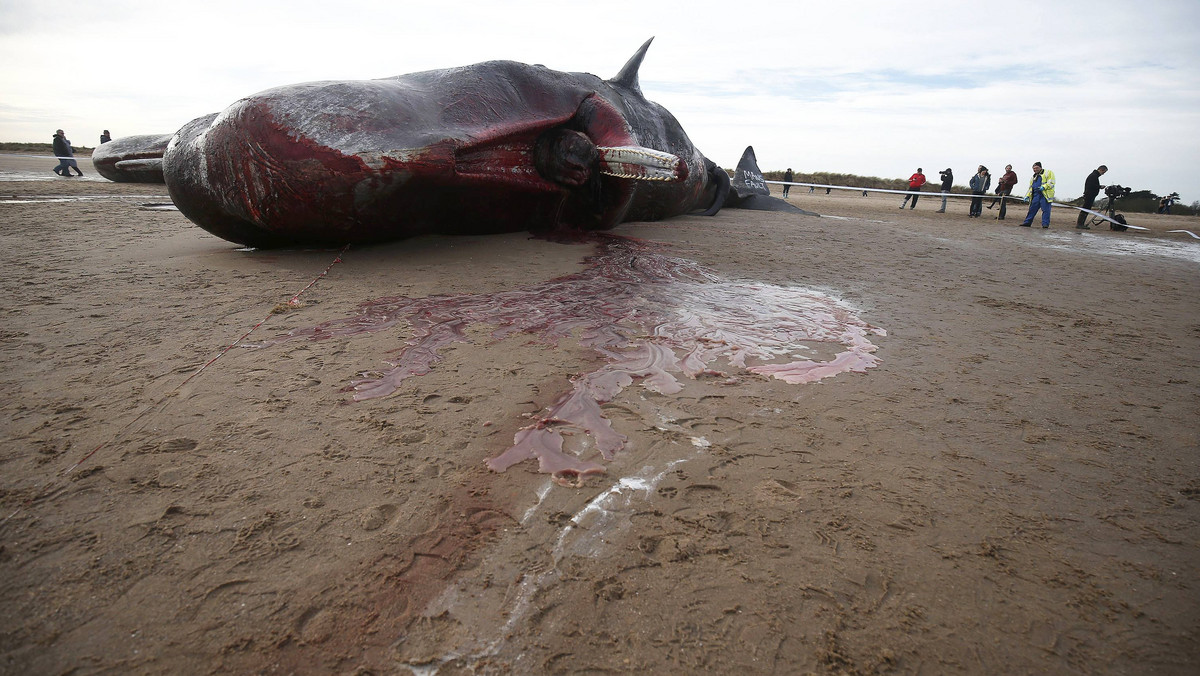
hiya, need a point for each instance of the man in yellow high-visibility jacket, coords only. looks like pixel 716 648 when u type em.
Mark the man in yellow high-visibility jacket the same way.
pixel 1041 191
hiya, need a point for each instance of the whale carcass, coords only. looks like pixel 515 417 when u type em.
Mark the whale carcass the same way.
pixel 493 147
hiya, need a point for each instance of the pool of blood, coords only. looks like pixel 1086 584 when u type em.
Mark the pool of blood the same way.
pixel 652 316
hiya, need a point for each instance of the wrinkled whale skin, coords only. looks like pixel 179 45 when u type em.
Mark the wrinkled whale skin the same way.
pixel 443 151
pixel 132 159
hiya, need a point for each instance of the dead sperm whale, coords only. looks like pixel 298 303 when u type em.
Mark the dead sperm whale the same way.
pixel 492 147
pixel 132 159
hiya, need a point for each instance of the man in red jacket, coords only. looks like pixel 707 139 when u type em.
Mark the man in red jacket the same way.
pixel 914 185
pixel 1004 189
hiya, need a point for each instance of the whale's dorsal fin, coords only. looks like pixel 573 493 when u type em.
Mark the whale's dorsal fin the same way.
pixel 628 77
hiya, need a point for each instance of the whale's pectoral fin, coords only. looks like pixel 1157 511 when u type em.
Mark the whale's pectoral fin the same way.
pixel 152 163
pixel 641 164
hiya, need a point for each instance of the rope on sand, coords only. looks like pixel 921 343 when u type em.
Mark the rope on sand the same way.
pixel 160 405
pixel 293 302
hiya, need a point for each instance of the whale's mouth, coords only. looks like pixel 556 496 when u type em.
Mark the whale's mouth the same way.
pixel 589 163
pixel 641 164
pixel 568 152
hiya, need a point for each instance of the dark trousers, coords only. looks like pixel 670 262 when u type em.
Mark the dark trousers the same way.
pixel 914 198
pixel 1088 201
pixel 65 165
pixel 976 204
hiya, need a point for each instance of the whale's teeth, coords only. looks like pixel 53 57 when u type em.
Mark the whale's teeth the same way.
pixel 640 164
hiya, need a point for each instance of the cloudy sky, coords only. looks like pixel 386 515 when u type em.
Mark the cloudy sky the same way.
pixel 872 88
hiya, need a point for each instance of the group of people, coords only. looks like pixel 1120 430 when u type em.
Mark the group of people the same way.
pixel 64 152
pixel 980 182
pixel 1039 195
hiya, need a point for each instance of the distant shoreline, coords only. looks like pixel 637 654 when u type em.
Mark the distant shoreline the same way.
pixel 47 148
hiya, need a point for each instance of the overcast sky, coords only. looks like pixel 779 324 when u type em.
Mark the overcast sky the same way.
pixel 871 88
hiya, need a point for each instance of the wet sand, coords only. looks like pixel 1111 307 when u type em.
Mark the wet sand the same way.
pixel 1013 488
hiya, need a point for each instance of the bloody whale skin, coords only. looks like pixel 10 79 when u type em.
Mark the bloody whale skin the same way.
pixel 493 147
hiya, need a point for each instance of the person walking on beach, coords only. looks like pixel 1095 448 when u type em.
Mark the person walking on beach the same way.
pixel 105 137
pixel 914 185
pixel 65 155
pixel 1041 191
pixel 1091 188
pixel 787 177
pixel 1003 189
pixel 980 182
pixel 947 183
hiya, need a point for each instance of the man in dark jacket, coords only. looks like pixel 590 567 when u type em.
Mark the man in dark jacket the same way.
pixel 1005 185
pixel 1004 189
pixel 788 176
pixel 1091 188
pixel 65 155
pixel 947 183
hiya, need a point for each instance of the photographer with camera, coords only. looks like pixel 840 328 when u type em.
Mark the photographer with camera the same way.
pixel 947 183
pixel 1091 188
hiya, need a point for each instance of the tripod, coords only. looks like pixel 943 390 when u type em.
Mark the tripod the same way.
pixel 1110 211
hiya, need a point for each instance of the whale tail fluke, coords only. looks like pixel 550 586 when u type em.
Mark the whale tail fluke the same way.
pixel 749 189
pixel 748 178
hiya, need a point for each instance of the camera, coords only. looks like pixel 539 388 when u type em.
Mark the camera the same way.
pixel 943 173
pixel 1116 192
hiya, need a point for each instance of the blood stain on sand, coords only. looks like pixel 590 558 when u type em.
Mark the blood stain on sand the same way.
pixel 650 315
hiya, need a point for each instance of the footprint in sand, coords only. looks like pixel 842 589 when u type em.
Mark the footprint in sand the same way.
pixel 377 517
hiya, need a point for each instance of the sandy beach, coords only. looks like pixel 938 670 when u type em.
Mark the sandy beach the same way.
pixel 1014 486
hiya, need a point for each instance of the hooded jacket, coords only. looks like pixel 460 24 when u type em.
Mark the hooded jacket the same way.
pixel 62 147
pixel 980 184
